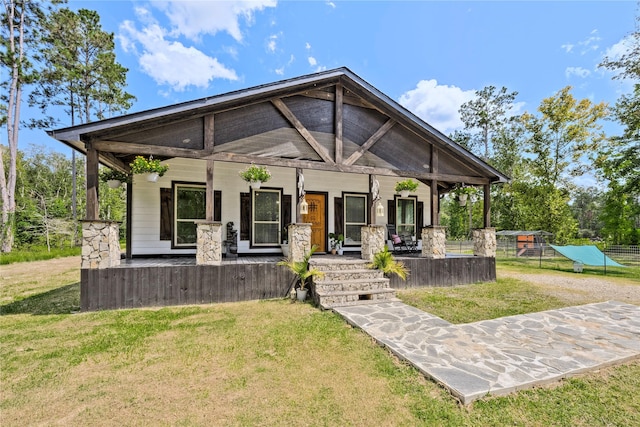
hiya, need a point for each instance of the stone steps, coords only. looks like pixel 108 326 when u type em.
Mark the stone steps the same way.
pixel 349 282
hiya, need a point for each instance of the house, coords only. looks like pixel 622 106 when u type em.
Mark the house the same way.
pixel 333 144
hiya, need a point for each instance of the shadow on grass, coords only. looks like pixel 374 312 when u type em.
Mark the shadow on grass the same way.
pixel 64 300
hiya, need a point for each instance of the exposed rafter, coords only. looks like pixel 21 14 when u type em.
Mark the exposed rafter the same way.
pixel 303 131
pixel 369 143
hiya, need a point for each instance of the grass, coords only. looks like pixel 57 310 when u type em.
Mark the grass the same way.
pixel 37 253
pixel 533 265
pixel 259 363
pixel 464 304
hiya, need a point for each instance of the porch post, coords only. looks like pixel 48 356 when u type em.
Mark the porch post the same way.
pixel 434 242
pixel 209 191
pixel 484 242
pixel 299 240
pixel 93 206
pixel 487 205
pixel 372 240
pixel 209 243
pixel 100 244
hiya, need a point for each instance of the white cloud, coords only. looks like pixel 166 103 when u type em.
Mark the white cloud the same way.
pixel 307 46
pixel 312 61
pixel 170 62
pixel 195 18
pixel 567 47
pixel 437 104
pixel 585 46
pixel 577 71
pixel 331 4
pixel 619 49
pixel 280 71
pixel 272 43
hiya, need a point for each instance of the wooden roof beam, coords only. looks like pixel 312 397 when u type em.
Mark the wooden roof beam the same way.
pixel 303 131
pixel 322 166
pixel 377 135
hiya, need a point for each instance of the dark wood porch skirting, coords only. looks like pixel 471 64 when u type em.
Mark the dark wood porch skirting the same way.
pixel 158 282
pixel 449 271
pixel 177 281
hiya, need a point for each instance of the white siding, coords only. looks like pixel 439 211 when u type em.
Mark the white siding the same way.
pixel 146 198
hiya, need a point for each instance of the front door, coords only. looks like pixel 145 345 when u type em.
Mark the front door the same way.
pixel 317 218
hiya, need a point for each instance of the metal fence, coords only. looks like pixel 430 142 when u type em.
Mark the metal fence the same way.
pixel 627 255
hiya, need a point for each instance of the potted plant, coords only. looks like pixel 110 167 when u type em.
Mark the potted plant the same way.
pixel 463 192
pixel 385 262
pixel 406 186
pixel 284 245
pixel 152 167
pixel 255 175
pixel 114 178
pixel 336 241
pixel 303 272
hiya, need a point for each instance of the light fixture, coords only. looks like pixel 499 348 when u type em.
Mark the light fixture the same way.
pixel 379 209
pixel 304 207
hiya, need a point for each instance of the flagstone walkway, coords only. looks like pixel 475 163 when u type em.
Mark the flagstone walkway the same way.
pixel 503 355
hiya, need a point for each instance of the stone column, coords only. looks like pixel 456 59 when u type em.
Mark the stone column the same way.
pixel 100 244
pixel 484 242
pixel 209 243
pixel 372 240
pixel 434 242
pixel 299 240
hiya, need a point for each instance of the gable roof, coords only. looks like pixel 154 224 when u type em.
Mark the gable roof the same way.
pixel 330 120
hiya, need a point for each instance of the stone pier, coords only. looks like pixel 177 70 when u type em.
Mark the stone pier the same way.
pixel 372 240
pixel 484 242
pixel 299 240
pixel 209 243
pixel 100 244
pixel 434 242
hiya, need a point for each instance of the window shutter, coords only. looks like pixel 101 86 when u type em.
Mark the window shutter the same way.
pixel 391 212
pixel 286 212
pixel 166 213
pixel 338 215
pixel 217 205
pixel 245 216
pixel 419 218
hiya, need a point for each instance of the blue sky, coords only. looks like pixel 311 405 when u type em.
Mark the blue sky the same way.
pixel 430 56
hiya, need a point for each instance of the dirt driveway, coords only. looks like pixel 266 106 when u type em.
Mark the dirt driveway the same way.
pixel 579 289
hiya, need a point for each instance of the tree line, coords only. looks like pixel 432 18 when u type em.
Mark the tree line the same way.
pixel 56 58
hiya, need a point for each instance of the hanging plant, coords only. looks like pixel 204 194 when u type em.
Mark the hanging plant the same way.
pixel 463 192
pixel 255 173
pixel 107 174
pixel 406 185
pixel 143 165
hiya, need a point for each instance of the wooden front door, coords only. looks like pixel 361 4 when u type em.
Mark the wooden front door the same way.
pixel 317 218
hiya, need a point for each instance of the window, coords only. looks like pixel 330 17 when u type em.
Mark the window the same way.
pixel 190 206
pixel 406 216
pixel 355 216
pixel 266 217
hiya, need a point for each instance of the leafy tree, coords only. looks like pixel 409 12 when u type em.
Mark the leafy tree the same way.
pixel 564 132
pixel 618 215
pixel 80 72
pixel 621 159
pixel 487 113
pixel 20 21
pixel 586 208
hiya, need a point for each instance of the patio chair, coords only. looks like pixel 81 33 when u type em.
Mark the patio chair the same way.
pixel 398 242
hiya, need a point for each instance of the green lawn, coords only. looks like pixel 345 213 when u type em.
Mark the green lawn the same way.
pixel 264 363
